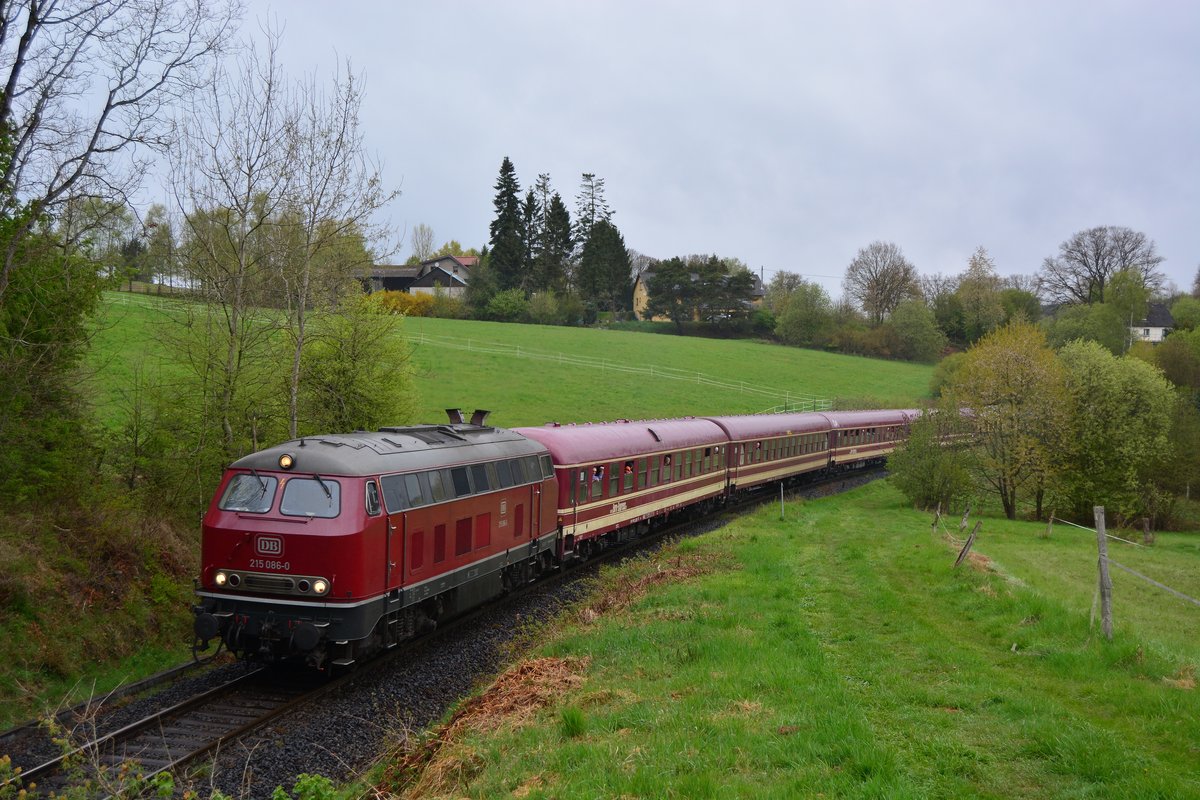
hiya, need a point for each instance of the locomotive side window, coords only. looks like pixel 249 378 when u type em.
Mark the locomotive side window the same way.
pixel 373 498
pixel 308 497
pixel 533 468
pixel 493 477
pixel 247 492
pixel 462 483
pixel 547 467
pixel 438 485
pixel 518 471
pixel 417 496
pixel 504 473
pixel 479 477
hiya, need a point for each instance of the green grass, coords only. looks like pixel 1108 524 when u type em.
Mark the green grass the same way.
pixel 838 653
pixel 451 370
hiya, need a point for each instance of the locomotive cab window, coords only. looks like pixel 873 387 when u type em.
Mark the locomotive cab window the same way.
pixel 373 507
pixel 247 492
pixel 310 497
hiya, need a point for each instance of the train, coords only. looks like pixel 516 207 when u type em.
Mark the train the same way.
pixel 328 549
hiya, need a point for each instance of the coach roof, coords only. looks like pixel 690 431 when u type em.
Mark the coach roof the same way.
pixel 606 441
pixel 405 449
pixel 762 426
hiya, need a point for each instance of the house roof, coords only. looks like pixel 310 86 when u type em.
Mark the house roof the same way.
pixel 436 276
pixel 1157 316
pixel 394 271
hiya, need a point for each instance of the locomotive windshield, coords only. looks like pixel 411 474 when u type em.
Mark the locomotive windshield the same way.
pixel 252 493
pixel 311 497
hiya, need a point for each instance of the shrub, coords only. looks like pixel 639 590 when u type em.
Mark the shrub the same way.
pixel 508 306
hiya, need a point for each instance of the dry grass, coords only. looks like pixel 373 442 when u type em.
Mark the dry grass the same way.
pixel 629 585
pixel 1184 679
pixel 442 762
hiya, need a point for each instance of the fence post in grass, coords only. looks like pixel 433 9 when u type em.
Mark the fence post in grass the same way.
pixel 962 554
pixel 1105 584
pixel 1049 525
pixel 937 517
pixel 962 526
pixel 1147 534
pixel 781 499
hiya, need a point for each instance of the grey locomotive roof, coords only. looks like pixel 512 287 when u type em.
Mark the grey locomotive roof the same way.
pixel 417 447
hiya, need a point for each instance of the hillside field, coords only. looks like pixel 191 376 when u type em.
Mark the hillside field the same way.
pixel 546 382
pixel 838 653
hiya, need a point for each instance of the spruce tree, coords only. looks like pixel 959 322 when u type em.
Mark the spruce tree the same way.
pixel 530 236
pixel 555 248
pixel 590 208
pixel 604 279
pixel 507 241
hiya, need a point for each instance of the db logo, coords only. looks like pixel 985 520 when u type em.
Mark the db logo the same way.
pixel 269 546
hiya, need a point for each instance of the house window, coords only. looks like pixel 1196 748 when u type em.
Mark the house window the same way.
pixel 1146 332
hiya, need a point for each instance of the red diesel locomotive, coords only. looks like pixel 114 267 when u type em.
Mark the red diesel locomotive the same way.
pixel 332 547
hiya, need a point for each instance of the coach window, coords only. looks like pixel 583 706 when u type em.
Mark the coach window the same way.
pixel 614 478
pixel 597 480
pixel 707 459
pixel 627 476
pixel 373 499
pixel 641 470
pixel 462 481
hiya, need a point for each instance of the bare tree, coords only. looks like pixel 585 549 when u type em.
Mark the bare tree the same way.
pixel 421 239
pixel 879 279
pixel 335 193
pixel 1022 283
pixel 85 94
pixel 231 173
pixel 1086 262
pixel 937 285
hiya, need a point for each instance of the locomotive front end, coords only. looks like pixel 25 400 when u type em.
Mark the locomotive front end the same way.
pixel 284 560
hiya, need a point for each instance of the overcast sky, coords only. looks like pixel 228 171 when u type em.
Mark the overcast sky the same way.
pixel 786 134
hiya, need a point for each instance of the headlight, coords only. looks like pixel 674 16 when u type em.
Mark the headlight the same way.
pixel 320 586
pixel 286 461
pixel 219 579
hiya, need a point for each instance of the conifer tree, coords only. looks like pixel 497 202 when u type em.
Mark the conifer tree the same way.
pixel 557 243
pixel 590 208
pixel 604 280
pixel 530 236
pixel 507 241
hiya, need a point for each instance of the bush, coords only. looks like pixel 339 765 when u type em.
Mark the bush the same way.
pixel 926 470
pixel 508 306
pixel 544 309
pixel 410 305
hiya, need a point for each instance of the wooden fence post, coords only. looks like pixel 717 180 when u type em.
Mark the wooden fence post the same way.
pixel 970 541
pixel 1106 623
pixel 1147 534
pixel 1049 525
pixel 937 517
pixel 962 526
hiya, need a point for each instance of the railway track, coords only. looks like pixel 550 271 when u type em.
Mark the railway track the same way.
pixel 172 738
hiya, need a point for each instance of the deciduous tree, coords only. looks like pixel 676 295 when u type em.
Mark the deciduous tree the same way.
pixel 1087 261
pixel 806 315
pixel 1013 385
pixel 879 279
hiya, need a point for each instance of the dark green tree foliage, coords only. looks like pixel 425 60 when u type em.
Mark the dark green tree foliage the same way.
pixel 1020 304
pixel 1099 322
pixel 507 230
pixel 725 293
pixel 604 280
pixel 590 207
pixel 554 247
pixel 531 235
pixel 673 290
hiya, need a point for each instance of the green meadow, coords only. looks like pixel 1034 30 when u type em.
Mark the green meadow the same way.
pixel 838 653
pixel 532 374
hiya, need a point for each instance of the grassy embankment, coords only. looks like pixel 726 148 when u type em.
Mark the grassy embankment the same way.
pixel 530 391
pixel 122 611
pixel 838 653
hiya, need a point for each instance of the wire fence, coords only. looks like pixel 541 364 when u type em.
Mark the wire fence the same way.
pixel 787 400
